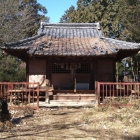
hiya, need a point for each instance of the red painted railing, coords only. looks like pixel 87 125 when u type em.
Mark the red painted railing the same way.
pixel 20 94
pixel 118 93
pixel 24 94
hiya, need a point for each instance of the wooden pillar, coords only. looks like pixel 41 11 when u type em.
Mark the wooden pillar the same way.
pixel 74 84
pixel 95 73
pixel 92 75
pixel 48 77
pixel 117 79
pixel 47 91
pixel 73 68
pixel 96 80
pixel 27 71
pixel 73 75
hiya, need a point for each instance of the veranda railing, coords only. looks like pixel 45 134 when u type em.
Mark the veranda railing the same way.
pixel 20 94
pixel 115 93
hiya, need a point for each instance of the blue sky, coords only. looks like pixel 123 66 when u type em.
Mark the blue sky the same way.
pixel 56 8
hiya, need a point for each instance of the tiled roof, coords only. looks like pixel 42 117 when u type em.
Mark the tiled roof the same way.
pixel 71 39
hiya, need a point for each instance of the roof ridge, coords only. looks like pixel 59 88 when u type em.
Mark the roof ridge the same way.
pixel 94 25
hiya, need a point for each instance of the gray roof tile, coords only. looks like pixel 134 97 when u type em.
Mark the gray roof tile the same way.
pixel 71 39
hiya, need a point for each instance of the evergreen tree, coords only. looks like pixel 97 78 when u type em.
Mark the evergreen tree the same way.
pixel 30 18
pixel 118 18
pixel 11 69
pixel 68 14
pixel 130 20
pixel 8 20
pixel 19 19
pixel 103 11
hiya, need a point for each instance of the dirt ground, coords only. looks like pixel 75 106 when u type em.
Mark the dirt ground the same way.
pixel 104 123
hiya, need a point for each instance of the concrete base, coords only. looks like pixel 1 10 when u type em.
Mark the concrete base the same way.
pixel 62 103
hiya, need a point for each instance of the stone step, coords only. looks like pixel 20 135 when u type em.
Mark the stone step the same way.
pixel 74 97
pixel 73 101
pixel 72 92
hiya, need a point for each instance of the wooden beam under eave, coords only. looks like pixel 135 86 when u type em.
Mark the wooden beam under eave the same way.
pixel 21 54
pixel 65 59
pixel 125 53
